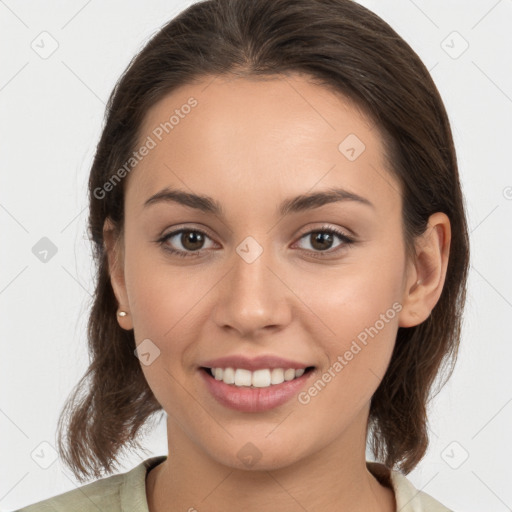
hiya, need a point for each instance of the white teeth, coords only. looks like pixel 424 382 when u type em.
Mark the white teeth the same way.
pixel 229 376
pixel 289 374
pixel 277 376
pixel 259 378
pixel 242 377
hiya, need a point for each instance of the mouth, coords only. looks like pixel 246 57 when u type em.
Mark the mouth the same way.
pixel 261 378
pixel 259 390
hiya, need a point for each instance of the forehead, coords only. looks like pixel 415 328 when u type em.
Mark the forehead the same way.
pixel 270 137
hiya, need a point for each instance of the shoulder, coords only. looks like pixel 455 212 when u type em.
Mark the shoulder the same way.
pixel 411 499
pixel 408 498
pixel 100 494
pixel 123 492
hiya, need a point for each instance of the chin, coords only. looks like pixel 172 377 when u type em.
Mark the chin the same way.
pixel 257 455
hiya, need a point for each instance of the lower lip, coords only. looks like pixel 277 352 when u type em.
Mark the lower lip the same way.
pixel 247 399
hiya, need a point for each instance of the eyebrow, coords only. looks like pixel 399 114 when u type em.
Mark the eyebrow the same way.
pixel 297 204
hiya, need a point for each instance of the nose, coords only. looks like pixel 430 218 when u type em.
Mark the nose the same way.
pixel 252 297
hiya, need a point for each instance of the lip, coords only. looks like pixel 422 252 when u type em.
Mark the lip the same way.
pixel 249 399
pixel 253 364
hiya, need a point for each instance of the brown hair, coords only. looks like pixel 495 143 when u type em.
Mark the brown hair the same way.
pixel 351 50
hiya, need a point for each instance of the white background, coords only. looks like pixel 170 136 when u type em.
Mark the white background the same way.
pixel 51 118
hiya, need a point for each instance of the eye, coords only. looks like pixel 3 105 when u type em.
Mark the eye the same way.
pixel 191 241
pixel 321 240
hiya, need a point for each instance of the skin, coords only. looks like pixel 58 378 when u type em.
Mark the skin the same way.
pixel 250 144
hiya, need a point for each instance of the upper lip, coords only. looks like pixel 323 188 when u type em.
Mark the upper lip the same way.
pixel 252 364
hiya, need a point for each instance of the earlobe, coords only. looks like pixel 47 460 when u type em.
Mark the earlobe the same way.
pixel 115 260
pixel 426 281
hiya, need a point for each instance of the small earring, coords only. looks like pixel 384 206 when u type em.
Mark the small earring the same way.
pixel 122 313
pixel 419 282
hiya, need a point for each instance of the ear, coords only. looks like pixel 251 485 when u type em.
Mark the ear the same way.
pixel 426 275
pixel 113 243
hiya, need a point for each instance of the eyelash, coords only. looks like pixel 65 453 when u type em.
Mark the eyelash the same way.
pixel 347 241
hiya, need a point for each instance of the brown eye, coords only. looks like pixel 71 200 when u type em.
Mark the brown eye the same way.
pixel 192 240
pixel 189 242
pixel 321 240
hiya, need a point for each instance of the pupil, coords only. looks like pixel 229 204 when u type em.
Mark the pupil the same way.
pixel 321 238
pixel 191 237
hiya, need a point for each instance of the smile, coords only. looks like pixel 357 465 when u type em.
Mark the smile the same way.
pixel 262 378
pixel 254 391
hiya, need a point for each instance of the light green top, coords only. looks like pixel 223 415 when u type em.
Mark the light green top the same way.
pixel 126 492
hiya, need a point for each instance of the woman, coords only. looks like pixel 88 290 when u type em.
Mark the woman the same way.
pixel 282 257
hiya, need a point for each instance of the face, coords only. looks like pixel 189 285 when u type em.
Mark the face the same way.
pixel 269 281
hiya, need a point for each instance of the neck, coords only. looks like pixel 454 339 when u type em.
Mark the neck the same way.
pixel 333 479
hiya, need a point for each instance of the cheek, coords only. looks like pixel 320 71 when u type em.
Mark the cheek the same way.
pixel 356 359
pixel 164 305
pixel 161 295
pixel 359 304
pixel 352 296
